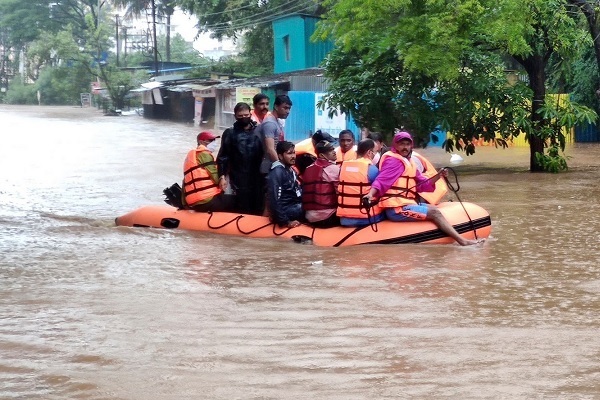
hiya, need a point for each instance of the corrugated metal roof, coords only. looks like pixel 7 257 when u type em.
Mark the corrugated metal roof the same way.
pixel 270 80
pixel 309 83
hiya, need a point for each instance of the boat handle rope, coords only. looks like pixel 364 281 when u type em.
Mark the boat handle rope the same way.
pixel 221 226
pixel 366 205
pixel 455 191
pixel 237 225
pixel 342 240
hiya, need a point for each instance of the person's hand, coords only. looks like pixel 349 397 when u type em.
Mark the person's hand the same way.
pixel 223 183
pixel 443 172
pixel 293 224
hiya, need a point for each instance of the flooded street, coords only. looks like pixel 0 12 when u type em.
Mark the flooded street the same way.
pixel 93 311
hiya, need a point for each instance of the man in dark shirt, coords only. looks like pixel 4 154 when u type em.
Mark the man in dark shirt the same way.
pixel 239 158
pixel 283 190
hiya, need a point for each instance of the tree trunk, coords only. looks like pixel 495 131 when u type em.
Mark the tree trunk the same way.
pixel 535 66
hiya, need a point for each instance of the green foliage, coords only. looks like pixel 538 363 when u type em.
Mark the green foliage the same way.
pixel 19 93
pixel 562 115
pixel 552 161
pixel 24 21
pixel 181 51
pixel 448 54
pixel 63 84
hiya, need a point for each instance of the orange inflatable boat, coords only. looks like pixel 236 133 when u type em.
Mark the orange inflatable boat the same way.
pixel 470 220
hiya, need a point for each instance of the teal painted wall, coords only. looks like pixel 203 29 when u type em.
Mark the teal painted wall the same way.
pixel 316 51
pixel 303 53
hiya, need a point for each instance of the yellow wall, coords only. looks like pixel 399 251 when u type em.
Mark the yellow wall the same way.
pixel 520 141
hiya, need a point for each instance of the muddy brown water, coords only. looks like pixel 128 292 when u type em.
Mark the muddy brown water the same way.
pixel 93 311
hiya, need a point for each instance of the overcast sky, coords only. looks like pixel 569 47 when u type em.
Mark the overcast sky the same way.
pixel 185 25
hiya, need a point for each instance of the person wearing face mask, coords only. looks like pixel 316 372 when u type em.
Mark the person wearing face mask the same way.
pixel 239 160
pixel 201 191
pixel 319 187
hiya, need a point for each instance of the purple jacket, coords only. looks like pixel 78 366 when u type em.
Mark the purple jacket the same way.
pixel 391 169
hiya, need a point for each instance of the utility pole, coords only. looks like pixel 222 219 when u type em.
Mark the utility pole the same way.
pixel 117 36
pixel 154 38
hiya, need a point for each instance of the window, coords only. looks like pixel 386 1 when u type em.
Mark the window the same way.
pixel 286 47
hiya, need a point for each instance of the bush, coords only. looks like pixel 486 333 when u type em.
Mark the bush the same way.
pixel 19 93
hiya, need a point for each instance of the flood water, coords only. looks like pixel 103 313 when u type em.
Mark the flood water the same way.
pixel 89 310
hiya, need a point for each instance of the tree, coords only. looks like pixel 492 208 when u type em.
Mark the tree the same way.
pixel 436 38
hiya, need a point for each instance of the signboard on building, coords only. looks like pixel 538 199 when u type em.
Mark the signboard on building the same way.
pixel 245 94
pixel 332 125
pixel 229 100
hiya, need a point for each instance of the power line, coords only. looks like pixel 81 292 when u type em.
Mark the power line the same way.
pixel 226 26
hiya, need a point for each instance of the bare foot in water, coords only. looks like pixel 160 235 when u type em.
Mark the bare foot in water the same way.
pixel 470 242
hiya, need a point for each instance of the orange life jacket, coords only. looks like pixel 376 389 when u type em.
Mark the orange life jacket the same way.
pixel 354 185
pixel 305 146
pixel 256 118
pixel 197 183
pixel 403 191
pixel 429 171
pixel 349 155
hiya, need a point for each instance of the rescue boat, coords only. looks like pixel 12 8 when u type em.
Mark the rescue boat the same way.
pixel 470 220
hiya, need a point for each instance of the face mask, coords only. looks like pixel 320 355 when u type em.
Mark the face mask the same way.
pixel 212 146
pixel 281 122
pixel 243 121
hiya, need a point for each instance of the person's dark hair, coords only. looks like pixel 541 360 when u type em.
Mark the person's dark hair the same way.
pixel 258 97
pixel 323 147
pixel 364 146
pixel 241 106
pixel 376 136
pixel 283 99
pixel 283 146
pixel 346 132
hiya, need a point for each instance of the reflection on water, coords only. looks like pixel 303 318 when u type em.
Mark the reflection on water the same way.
pixel 94 311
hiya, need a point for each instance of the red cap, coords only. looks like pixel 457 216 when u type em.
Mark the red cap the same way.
pixel 206 136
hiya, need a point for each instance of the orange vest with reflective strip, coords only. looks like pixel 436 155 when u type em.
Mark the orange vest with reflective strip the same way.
pixel 354 185
pixel 347 156
pixel 403 191
pixel 197 184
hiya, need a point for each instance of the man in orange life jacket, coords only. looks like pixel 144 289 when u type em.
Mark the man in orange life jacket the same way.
pixel 356 177
pixel 306 153
pixel 397 186
pixel 201 190
pixel 319 188
pixel 346 150
pixel 260 102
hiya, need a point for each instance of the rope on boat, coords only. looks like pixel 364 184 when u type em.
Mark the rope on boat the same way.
pixel 455 191
pixel 237 220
